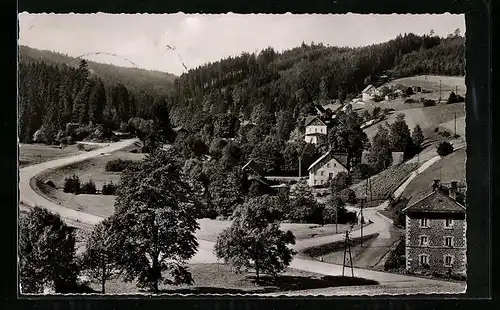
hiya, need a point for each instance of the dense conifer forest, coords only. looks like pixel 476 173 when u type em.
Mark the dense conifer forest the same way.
pixel 251 106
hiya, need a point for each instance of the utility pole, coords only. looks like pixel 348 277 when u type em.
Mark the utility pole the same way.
pixel 336 217
pixel 439 91
pixel 347 248
pixel 455 125
pixel 300 166
pixel 362 219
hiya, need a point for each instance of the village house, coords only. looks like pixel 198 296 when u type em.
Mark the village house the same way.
pixel 316 130
pixel 369 92
pixel 326 168
pixel 436 233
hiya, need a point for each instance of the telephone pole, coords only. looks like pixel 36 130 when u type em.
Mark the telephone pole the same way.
pixel 300 166
pixel 347 248
pixel 361 218
pixel 455 125
pixel 439 91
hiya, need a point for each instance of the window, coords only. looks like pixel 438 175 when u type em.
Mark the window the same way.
pixel 424 241
pixel 448 241
pixel 315 129
pixel 424 259
pixel 424 223
pixel 335 165
pixel 328 165
pixel 315 182
pixel 448 223
pixel 448 261
pixel 330 176
pixel 321 173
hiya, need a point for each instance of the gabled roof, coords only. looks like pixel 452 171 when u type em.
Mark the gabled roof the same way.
pixel 341 158
pixel 435 202
pixel 310 119
pixel 320 108
pixel 367 88
pixel 253 166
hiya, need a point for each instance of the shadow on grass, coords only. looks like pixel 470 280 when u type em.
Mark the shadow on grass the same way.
pixel 295 283
pixel 270 284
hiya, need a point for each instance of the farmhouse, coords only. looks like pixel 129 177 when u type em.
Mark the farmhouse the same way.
pixel 369 92
pixel 435 233
pixel 326 167
pixel 316 130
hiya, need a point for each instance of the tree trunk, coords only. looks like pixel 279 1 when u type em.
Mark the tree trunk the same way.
pixel 257 270
pixel 103 279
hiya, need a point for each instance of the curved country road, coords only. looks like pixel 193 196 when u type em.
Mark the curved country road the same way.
pixel 205 254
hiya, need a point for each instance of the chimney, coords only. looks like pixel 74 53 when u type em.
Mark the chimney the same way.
pixel 435 185
pixel 453 190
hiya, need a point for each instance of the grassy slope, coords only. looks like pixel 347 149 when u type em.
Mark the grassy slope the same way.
pixel 451 167
pixel 428 118
pixel 220 279
pixel 30 154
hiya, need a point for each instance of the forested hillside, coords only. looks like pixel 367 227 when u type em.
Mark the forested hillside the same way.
pixel 139 79
pixel 291 80
pixel 53 96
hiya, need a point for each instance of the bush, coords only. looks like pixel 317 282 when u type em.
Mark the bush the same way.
pixel 89 188
pixel 80 147
pixel 453 98
pixel 444 148
pixel 72 185
pixel 445 134
pixel 108 189
pixel 410 100
pixel 117 165
pixel 348 195
pixel 50 183
pixel 429 103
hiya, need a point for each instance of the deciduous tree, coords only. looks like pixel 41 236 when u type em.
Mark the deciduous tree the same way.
pixel 154 223
pixel 254 239
pixel 46 253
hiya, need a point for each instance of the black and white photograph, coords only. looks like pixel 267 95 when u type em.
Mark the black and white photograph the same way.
pixel 242 154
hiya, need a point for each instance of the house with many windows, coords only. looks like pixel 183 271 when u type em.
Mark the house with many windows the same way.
pixel 326 168
pixel 316 130
pixel 436 233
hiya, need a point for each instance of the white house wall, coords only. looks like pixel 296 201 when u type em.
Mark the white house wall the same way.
pixel 316 129
pixel 321 175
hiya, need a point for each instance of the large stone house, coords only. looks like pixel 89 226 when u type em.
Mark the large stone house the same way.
pixel 436 233
pixel 326 167
pixel 316 130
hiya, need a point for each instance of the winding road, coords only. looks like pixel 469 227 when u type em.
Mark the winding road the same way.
pixel 29 198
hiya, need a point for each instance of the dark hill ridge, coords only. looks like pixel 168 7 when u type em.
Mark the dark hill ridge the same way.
pixel 159 82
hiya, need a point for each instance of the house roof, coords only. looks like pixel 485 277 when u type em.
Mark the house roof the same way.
pixel 367 88
pixel 252 165
pixel 320 108
pixel 435 202
pixel 310 119
pixel 341 158
pixel 258 179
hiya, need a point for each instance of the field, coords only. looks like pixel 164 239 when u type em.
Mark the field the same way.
pixel 449 168
pixel 386 182
pixel 428 118
pixel 220 279
pixel 209 229
pixel 93 169
pixel 31 154
pixel 431 83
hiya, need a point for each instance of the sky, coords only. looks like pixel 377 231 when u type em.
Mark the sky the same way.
pixel 141 39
